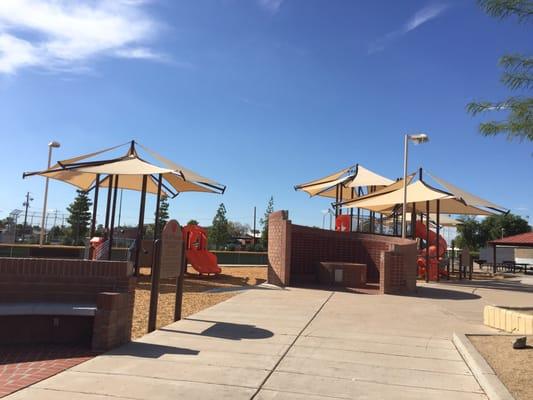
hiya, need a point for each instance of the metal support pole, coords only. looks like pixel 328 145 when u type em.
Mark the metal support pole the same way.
pixel 438 240
pixel 154 289
pixel 351 209
pixel 405 155
pixel 140 227
pixel 413 221
pixel 179 281
pixel 255 218
pixel 427 242
pixel 43 219
pixel 108 206
pixel 112 223
pixel 336 202
pixel 494 258
pixel 95 205
pixel 453 256
pixel 156 224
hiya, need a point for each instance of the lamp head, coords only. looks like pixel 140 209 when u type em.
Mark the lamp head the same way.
pixel 418 138
pixel 54 144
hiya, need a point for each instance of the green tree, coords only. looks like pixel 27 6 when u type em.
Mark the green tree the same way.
pixel 193 222
pixel 264 222
pixel 469 234
pixel 79 217
pixel 219 231
pixel 496 226
pixel 518 74
pixel 475 234
pixel 163 213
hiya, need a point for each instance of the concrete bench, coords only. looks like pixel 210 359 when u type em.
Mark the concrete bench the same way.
pixel 66 301
pixel 51 309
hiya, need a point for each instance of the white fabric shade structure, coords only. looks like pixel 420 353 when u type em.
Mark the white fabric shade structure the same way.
pixel 419 194
pixel 339 185
pixel 130 172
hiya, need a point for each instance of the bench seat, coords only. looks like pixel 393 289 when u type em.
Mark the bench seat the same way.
pixel 51 309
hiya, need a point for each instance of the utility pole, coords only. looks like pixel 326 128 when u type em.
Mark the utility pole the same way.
pixel 254 231
pixel 26 204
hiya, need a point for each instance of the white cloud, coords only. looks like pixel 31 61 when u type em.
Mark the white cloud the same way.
pixel 65 34
pixel 271 5
pixel 420 17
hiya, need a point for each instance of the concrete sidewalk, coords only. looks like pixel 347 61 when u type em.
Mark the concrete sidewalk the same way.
pixel 298 344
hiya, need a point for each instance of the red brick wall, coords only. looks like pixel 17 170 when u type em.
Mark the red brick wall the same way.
pixel 107 284
pixel 295 252
pixel 279 248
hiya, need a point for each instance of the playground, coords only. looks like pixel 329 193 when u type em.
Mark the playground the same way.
pixel 380 302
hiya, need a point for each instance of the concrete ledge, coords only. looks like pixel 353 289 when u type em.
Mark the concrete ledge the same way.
pixel 8 309
pixel 485 375
pixel 512 320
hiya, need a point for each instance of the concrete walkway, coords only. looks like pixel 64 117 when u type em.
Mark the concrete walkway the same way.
pixel 298 344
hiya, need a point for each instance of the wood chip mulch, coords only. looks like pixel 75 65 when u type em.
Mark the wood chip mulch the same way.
pixel 194 297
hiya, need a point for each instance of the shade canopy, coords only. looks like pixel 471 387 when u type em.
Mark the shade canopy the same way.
pixel 130 170
pixel 444 219
pixel 468 198
pixel 418 194
pixel 346 180
pixel 520 240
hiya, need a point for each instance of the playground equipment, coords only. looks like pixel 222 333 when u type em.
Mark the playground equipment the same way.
pixel 434 259
pixel 196 252
pixel 342 223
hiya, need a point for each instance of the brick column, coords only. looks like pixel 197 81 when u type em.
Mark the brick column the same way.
pixel 279 248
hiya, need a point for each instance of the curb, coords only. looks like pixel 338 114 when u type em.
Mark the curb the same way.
pixel 485 375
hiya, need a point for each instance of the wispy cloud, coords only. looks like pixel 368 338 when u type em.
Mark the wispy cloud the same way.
pixel 422 16
pixel 270 5
pixel 65 35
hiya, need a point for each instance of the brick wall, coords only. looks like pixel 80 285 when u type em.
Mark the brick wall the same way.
pixel 295 251
pixel 279 248
pixel 107 284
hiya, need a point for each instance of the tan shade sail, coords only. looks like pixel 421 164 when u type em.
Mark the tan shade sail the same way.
pixel 444 220
pixel 365 177
pixel 330 179
pixel 418 194
pixel 130 170
pixel 468 198
pixel 348 179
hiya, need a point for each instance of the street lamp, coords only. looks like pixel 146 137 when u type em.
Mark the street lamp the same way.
pixel 416 139
pixel 51 145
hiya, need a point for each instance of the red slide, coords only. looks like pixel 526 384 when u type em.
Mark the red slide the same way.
pixel 420 232
pixel 196 252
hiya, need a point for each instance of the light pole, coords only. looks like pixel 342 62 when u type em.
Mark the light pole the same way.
pixel 416 139
pixel 51 145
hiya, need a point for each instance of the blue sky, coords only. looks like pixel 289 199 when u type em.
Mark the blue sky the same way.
pixel 258 94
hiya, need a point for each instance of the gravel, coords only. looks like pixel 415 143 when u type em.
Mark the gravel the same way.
pixel 513 367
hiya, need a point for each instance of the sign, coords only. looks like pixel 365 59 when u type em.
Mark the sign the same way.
pixel 171 250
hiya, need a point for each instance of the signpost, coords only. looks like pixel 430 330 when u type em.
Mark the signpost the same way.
pixel 168 259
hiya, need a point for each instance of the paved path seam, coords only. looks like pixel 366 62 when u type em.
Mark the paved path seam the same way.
pixel 77 391
pixel 291 345
pixel 163 379
pixel 378 352
pixel 355 379
pixel 389 367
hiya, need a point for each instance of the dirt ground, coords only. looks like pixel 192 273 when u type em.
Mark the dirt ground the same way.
pixel 194 296
pixel 513 367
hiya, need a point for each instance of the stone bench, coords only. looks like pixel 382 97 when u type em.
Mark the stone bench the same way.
pixel 52 309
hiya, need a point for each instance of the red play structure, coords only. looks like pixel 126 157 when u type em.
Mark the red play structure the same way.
pixel 196 252
pixel 342 223
pixel 420 232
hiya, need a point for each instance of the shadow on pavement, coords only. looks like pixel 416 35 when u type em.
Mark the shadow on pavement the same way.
pixel 440 293
pixel 150 350
pixel 498 285
pixel 227 330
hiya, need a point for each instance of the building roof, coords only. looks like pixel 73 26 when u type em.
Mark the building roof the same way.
pixel 521 240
